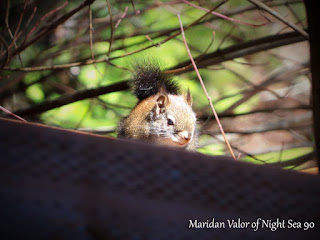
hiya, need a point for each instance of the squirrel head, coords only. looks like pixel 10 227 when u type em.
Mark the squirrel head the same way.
pixel 162 115
pixel 172 121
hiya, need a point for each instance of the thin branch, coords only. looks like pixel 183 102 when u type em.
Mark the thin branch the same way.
pixel 91 39
pixel 263 86
pixel 230 12
pixel 16 35
pixel 85 115
pixel 13 37
pixel 259 87
pixel 295 161
pixel 7 19
pixel 122 17
pixel 161 33
pixel 120 67
pixel 279 17
pixel 134 8
pixel 263 129
pixel 225 37
pixel 237 149
pixel 41 19
pixel 246 48
pixel 74 97
pixel 20 20
pixel 17 85
pixel 264 110
pixel 294 14
pixel 58 22
pixel 65 17
pixel 199 58
pixel 147 37
pixel 90 32
pixel 31 17
pixel 229 53
pixel 8 54
pixel 111 28
pixel 223 16
pixel 205 90
pixel 12 114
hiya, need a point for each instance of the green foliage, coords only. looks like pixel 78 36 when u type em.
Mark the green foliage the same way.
pixel 90 77
pixel 280 156
pixel 32 77
pixel 65 57
pixel 35 93
pixel 211 149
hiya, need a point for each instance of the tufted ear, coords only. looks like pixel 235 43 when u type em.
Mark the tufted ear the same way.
pixel 162 102
pixel 188 98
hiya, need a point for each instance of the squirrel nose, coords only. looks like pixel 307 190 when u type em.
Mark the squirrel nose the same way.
pixel 187 136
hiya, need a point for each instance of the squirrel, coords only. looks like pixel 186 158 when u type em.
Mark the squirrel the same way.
pixel 162 115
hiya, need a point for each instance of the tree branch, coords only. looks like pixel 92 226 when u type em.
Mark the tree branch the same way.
pixel 243 49
pixel 70 98
pixel 294 162
pixel 279 17
pixel 51 27
pixel 229 53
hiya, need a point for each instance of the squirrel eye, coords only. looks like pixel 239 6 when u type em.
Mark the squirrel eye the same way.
pixel 170 122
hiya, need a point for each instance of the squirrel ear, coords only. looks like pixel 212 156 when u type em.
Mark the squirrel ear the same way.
pixel 189 98
pixel 162 101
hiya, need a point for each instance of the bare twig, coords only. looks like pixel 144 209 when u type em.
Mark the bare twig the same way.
pixel 84 116
pixel 122 17
pixel 263 86
pixel 12 114
pixel 236 148
pixel 225 37
pixel 65 17
pixel 263 110
pixel 117 66
pixel 16 35
pixel 111 29
pixel 295 14
pixel 229 53
pixel 20 20
pixel 41 19
pixel 136 12
pixel 223 16
pixel 90 32
pixel 295 161
pixel 205 90
pixel 199 59
pixel 7 19
pixel 147 36
pixel 91 39
pixel 279 17
pixel 8 57
pixel 70 98
pixel 13 37
pixel 246 48
pixel 52 26
pixel 263 129
pixel 31 17
pixel 254 86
